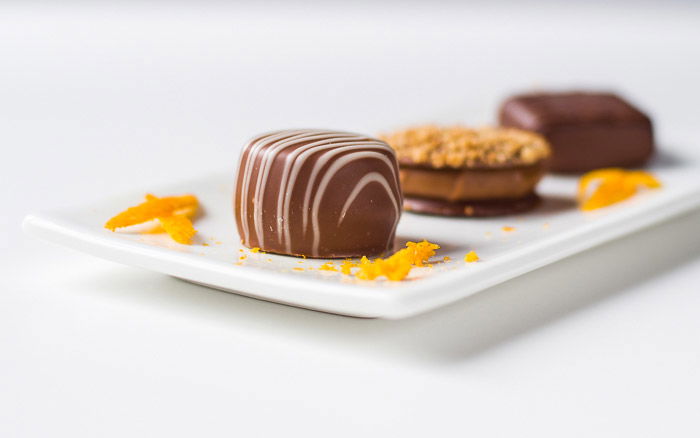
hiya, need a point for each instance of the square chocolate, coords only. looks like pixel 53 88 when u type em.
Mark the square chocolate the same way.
pixel 586 130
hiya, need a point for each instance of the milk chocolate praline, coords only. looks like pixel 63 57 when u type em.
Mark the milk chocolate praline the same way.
pixel 317 193
pixel 458 171
pixel 586 130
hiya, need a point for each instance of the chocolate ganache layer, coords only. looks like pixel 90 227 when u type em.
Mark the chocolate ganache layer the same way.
pixel 317 193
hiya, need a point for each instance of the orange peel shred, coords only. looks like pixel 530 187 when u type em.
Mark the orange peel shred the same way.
pixel 604 187
pixel 179 228
pixel 157 228
pixel 346 267
pixel 394 268
pixel 173 214
pixel 471 257
pixel 328 266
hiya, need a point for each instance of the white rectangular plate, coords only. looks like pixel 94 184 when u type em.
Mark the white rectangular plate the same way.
pixel 553 231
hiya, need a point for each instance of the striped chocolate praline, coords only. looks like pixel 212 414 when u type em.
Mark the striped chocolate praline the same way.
pixel 317 193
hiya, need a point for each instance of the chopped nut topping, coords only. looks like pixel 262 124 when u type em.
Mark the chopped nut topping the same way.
pixel 460 147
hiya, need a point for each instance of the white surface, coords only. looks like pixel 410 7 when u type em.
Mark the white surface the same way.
pixel 601 344
pixel 216 258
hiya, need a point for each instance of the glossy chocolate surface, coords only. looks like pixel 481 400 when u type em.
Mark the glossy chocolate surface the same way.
pixel 317 193
pixel 586 130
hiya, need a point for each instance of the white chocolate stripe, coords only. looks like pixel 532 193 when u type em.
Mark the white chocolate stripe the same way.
pixel 247 167
pixel 267 160
pixel 255 146
pixel 290 163
pixel 328 152
pixel 361 184
pixel 323 160
pixel 294 162
pixel 262 152
pixel 332 170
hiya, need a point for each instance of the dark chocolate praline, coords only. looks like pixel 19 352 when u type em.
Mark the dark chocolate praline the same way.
pixel 587 131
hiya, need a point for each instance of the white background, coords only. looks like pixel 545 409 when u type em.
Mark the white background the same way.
pixel 101 99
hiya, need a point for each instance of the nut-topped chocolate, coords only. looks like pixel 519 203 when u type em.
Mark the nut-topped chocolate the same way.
pixel 317 193
pixel 460 171
pixel 460 147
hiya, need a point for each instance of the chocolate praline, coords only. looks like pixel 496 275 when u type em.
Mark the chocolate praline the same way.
pixel 458 171
pixel 586 130
pixel 317 193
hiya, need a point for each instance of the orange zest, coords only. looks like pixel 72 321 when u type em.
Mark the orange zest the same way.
pixel 346 266
pixel 471 257
pixel 328 266
pixel 417 253
pixel 179 228
pixel 611 186
pixel 394 268
pixel 173 214
pixel 189 212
